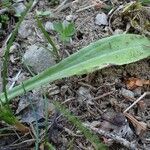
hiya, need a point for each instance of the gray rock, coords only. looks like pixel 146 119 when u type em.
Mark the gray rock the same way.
pixel 101 19
pixel 84 96
pixel 138 91
pixel 127 93
pixel 30 101
pixel 25 29
pixel 19 8
pixel 38 58
pixel 49 26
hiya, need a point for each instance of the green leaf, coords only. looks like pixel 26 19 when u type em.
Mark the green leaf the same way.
pixel 145 1
pixel 65 29
pixel 94 139
pixel 58 27
pixel 114 50
pixel 70 30
pixel 44 13
pixel 9 44
pixel 49 39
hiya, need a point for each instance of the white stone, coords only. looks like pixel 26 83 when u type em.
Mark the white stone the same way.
pixel 49 26
pixel 101 19
pixel 70 18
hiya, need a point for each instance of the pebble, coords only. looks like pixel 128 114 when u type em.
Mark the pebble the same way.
pixel 26 111
pixel 38 58
pixel 14 47
pixel 25 29
pixel 70 18
pixel 138 91
pixel 127 93
pixel 101 19
pixel 84 96
pixel 49 26
pixel 19 8
pixel 118 31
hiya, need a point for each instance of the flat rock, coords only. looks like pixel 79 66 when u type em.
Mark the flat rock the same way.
pixel 19 8
pixel 101 19
pixel 49 26
pixel 26 29
pixel 84 96
pixel 127 93
pixel 38 58
pixel 26 111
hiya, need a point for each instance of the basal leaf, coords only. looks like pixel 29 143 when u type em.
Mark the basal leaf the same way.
pixel 114 50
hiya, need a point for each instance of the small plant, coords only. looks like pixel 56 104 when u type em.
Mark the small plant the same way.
pixel 65 29
pixel 6 113
pixel 6 3
pixel 44 13
pixel 4 19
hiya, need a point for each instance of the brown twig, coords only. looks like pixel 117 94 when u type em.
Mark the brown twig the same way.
pixel 103 95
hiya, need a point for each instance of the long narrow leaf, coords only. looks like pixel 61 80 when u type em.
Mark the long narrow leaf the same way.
pixel 6 52
pixel 114 50
pixel 49 39
pixel 87 133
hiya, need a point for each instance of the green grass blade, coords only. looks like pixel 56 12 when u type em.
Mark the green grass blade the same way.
pixel 6 53
pixel 75 121
pixel 145 1
pixel 55 50
pixel 114 50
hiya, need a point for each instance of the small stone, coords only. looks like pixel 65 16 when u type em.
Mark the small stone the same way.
pixel 138 91
pixel 49 26
pixel 118 31
pixel 101 19
pixel 25 29
pixel 70 18
pixel 14 47
pixel 38 58
pixel 26 111
pixel 127 93
pixel 19 8
pixel 84 96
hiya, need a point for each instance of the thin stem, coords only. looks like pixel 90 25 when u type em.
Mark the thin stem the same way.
pixel 6 54
pixel 49 39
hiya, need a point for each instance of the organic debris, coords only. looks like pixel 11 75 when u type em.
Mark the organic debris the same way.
pixel 140 127
pixel 133 83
